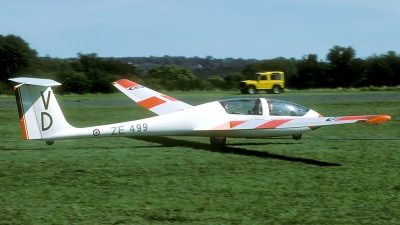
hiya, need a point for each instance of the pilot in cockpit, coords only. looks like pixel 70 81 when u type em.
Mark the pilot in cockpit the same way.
pixel 226 106
pixel 270 106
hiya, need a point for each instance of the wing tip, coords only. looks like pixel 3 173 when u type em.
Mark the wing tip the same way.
pixel 125 83
pixel 379 119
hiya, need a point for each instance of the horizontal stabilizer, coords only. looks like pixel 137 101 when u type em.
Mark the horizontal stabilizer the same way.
pixel 35 81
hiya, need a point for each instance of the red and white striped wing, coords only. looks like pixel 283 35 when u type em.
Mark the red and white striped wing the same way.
pixel 152 100
pixel 300 122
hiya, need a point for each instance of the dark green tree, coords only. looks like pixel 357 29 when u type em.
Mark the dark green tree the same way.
pixel 100 72
pixel 310 73
pixel 15 56
pixel 79 84
pixel 383 70
pixel 56 69
pixel 232 80
pixel 344 69
pixel 172 78
pixel 217 82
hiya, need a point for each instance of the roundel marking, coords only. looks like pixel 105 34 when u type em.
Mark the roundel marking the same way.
pixel 96 132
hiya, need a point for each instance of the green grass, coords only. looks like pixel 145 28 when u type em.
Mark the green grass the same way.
pixel 331 176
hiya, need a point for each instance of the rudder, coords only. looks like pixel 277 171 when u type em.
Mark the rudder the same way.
pixel 40 116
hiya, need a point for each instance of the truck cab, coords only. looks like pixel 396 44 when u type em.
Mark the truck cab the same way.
pixel 270 82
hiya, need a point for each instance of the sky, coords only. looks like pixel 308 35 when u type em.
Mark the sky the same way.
pixel 248 29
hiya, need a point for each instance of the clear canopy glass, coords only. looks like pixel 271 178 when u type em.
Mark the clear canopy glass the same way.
pixel 254 106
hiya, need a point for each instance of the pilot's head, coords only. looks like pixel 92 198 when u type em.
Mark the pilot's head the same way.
pixel 226 106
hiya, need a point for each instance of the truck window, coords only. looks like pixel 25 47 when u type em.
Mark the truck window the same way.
pixel 275 76
pixel 263 78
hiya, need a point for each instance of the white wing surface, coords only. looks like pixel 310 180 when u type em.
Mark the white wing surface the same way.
pixel 312 123
pixel 152 100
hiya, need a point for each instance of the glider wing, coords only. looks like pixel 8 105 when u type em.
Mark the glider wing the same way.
pixel 152 100
pixel 312 123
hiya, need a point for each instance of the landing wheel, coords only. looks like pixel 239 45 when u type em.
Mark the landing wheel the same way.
pixel 251 90
pixel 296 136
pixel 276 89
pixel 218 141
pixel 50 142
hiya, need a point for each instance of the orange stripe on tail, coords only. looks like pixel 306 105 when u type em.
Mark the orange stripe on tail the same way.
pixel 24 129
pixel 21 112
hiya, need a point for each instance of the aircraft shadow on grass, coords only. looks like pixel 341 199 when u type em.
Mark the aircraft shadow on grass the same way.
pixel 170 142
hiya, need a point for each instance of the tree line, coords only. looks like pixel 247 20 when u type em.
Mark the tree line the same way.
pixel 89 73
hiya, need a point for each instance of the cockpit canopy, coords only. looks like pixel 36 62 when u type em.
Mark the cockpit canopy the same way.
pixel 244 106
pixel 257 106
pixel 283 108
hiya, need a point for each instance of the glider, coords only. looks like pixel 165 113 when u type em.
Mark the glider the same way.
pixel 41 118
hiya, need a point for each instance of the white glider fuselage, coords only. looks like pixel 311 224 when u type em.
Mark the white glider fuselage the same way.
pixel 208 119
pixel 41 117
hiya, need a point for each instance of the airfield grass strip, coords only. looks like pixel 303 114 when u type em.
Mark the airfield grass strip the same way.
pixel 183 180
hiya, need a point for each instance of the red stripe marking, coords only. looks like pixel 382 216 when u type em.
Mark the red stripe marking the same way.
pixel 353 118
pixel 23 128
pixel 127 83
pixel 236 123
pixel 169 98
pixel 273 124
pixel 21 113
pixel 224 126
pixel 151 102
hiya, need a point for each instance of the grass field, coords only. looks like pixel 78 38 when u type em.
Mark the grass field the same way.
pixel 347 174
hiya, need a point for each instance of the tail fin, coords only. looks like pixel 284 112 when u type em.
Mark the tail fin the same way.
pixel 40 116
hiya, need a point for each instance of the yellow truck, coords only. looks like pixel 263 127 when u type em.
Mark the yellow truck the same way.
pixel 268 81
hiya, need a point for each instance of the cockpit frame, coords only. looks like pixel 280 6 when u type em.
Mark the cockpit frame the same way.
pixel 257 106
